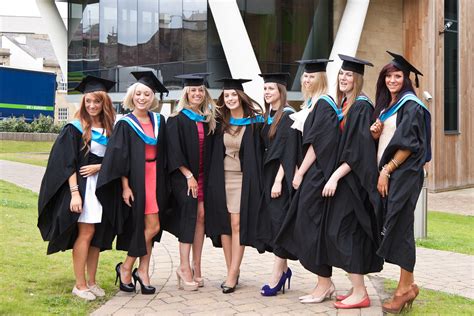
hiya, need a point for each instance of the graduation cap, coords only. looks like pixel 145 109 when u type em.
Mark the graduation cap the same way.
pixel 276 77
pixel 401 63
pixel 229 83
pixel 314 65
pixel 92 84
pixel 354 64
pixel 193 80
pixel 149 79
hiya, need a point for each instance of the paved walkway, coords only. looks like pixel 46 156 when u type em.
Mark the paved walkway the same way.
pixel 434 270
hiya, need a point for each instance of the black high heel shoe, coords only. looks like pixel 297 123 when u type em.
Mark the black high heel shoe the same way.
pixel 146 289
pixel 123 287
pixel 223 282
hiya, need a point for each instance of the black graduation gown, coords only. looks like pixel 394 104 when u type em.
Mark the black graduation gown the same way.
pixel 301 231
pixel 183 150
pixel 250 156
pixel 405 184
pixel 352 228
pixel 285 150
pixel 56 222
pixel 125 157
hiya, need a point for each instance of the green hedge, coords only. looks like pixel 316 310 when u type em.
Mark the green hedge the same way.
pixel 42 124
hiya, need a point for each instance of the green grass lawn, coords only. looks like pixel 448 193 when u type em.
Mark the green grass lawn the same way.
pixel 35 153
pixel 431 302
pixel 449 232
pixel 31 282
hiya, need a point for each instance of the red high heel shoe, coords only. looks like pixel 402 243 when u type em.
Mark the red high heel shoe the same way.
pixel 364 303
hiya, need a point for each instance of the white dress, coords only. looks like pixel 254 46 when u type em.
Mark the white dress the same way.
pixel 389 128
pixel 91 208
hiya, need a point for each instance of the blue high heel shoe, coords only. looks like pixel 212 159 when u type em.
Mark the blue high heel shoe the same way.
pixel 268 291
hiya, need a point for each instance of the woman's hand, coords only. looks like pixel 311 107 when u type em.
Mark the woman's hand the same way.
pixel 297 179
pixel 382 185
pixel 276 189
pixel 127 196
pixel 193 187
pixel 330 187
pixel 89 170
pixel 76 202
pixel 376 129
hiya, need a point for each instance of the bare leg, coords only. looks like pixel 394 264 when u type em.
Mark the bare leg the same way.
pixel 80 252
pixel 227 247
pixel 359 292
pixel 198 241
pixel 323 285
pixel 280 266
pixel 152 227
pixel 405 282
pixel 237 251
pixel 184 267
pixel 92 263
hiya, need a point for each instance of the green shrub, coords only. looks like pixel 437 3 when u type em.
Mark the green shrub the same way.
pixel 41 124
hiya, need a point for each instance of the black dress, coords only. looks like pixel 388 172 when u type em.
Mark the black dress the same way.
pixel 125 157
pixel 250 155
pixel 183 150
pixel 405 184
pixel 285 150
pixel 352 228
pixel 56 222
pixel 301 232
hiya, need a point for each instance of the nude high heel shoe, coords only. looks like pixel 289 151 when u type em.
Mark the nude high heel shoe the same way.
pixel 187 286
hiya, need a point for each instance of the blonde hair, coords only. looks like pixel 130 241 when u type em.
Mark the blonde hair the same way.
pixel 317 89
pixel 358 81
pixel 207 108
pixel 128 100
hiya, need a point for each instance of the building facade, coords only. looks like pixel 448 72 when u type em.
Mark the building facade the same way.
pixel 111 38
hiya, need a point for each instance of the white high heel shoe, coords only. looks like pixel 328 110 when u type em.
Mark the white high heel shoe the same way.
pixel 310 299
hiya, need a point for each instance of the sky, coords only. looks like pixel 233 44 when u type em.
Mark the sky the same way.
pixel 26 8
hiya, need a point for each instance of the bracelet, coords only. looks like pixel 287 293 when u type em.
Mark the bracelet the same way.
pixel 385 172
pixel 189 176
pixel 395 162
pixel 74 188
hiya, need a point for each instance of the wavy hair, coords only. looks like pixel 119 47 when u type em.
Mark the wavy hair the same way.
pixel 250 107
pixel 207 108
pixel 279 113
pixel 106 116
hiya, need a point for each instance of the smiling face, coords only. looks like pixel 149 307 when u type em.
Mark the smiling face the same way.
pixel 346 81
pixel 93 105
pixel 231 99
pixel 196 95
pixel 271 93
pixel 308 80
pixel 394 82
pixel 143 97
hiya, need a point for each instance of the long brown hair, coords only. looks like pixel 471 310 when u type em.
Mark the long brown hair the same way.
pixel 106 116
pixel 383 98
pixel 250 107
pixel 278 113
pixel 358 81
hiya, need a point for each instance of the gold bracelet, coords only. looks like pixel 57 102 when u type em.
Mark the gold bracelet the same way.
pixel 385 172
pixel 395 162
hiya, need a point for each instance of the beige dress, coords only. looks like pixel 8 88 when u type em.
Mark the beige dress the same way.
pixel 232 171
pixel 389 128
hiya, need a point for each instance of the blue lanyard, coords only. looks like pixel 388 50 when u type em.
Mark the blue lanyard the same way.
pixel 331 102
pixel 135 125
pixel 285 109
pixel 96 136
pixel 364 98
pixel 193 115
pixel 246 121
pixel 308 103
pixel 397 106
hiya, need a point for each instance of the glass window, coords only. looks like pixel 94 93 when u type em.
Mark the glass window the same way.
pixel 90 36
pixel 108 34
pixel 195 30
pixel 127 33
pixel 148 35
pixel 451 66
pixel 63 114
pixel 75 45
pixel 171 27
